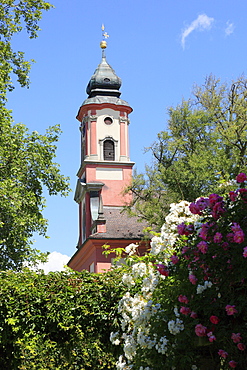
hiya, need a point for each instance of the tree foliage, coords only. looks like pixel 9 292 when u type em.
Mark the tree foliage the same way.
pixel 26 158
pixel 26 168
pixel 58 321
pixel 14 16
pixel 205 145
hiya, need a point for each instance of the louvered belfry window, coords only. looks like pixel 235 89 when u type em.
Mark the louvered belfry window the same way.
pixel 109 153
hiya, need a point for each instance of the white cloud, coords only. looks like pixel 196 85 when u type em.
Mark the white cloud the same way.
pixel 56 262
pixel 229 28
pixel 201 23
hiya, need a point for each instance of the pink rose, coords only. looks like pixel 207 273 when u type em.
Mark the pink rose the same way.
pixel 193 315
pixel 218 210
pixel 202 203
pixel 194 209
pixel 211 337
pixel 202 246
pixel 174 259
pixel 232 363
pixel 181 228
pixel 183 299
pixel 225 246
pixel 241 346
pixel 235 227
pixel 236 337
pixel 233 195
pixel 185 310
pixel 238 236
pixel 241 177
pixel 162 269
pixel 222 353
pixel 230 310
pixel 245 252
pixel 214 319
pixel 185 249
pixel 200 330
pixel 243 194
pixel 213 199
pixel 184 229
pixel 218 237
pixel 204 231
pixel 192 279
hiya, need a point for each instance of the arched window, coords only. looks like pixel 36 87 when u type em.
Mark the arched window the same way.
pixel 109 150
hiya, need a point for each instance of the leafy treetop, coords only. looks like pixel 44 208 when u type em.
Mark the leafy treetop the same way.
pixel 27 164
pixel 14 16
pixel 204 146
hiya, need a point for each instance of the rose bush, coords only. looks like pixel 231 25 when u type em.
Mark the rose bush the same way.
pixel 186 304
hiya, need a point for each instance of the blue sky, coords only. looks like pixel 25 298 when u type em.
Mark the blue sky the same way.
pixel 159 48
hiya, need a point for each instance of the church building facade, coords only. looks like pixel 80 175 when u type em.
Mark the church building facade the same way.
pixel 105 171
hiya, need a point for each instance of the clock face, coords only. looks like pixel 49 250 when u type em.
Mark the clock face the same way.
pixel 108 121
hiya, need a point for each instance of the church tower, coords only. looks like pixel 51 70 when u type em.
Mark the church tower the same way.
pixel 104 172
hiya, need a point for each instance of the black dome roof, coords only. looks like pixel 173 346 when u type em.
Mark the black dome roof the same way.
pixel 104 81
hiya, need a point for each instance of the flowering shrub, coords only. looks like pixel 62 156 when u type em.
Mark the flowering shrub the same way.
pixel 186 304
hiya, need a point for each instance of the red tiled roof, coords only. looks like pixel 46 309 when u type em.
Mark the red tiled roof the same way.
pixel 119 225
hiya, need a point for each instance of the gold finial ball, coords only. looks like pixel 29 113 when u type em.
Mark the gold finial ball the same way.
pixel 103 44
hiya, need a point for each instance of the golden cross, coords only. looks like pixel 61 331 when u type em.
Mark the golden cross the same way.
pixel 104 34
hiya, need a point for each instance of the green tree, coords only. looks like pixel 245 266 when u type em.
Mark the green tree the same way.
pixel 14 16
pixel 26 168
pixel 58 321
pixel 26 159
pixel 204 146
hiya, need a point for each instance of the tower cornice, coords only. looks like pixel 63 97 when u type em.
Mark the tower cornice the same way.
pixel 98 106
pixel 110 164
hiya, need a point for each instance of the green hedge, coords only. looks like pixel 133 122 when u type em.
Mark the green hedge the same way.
pixel 58 321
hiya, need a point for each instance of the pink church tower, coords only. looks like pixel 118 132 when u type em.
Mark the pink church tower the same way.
pixel 104 173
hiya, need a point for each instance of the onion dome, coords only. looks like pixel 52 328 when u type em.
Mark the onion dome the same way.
pixel 104 85
pixel 104 81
